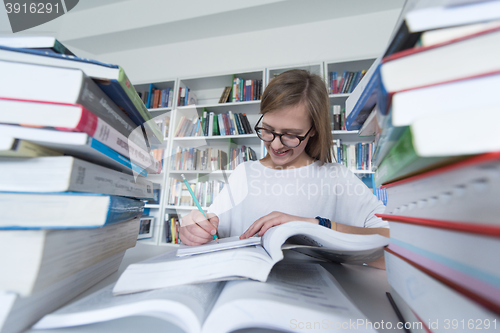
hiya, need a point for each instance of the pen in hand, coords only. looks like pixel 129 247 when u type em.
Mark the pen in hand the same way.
pixel 196 202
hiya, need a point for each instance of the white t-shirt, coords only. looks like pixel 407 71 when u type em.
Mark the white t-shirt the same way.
pixel 330 191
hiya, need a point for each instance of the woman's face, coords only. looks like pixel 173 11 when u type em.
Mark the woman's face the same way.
pixel 290 120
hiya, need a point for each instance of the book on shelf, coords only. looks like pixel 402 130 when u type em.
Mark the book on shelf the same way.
pixel 426 142
pixel 23 312
pixel 225 96
pixel 201 159
pixel 245 90
pixel 172 226
pixel 38 258
pixel 313 240
pixel 25 81
pixel 238 155
pixel 435 302
pixel 163 124
pixel 348 81
pixel 336 110
pixel 75 118
pixel 14 147
pixel 205 192
pixel 227 306
pixel 69 174
pixel 80 145
pixel 186 97
pixel 66 209
pixel 354 156
pixel 111 79
pixel 41 43
pixel 156 191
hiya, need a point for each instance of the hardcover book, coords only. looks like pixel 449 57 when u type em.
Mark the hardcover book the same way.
pixel 112 79
pixel 66 210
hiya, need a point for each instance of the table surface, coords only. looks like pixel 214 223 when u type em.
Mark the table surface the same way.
pixel 365 286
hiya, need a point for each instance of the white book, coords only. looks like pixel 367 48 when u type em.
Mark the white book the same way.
pixel 67 173
pixel 302 292
pixel 65 209
pixel 27 310
pixel 253 262
pixel 80 145
pixel 439 306
pixel 210 120
pixel 464 192
pixel 36 259
pixel 13 147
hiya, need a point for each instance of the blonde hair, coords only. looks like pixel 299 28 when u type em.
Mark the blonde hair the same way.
pixel 296 87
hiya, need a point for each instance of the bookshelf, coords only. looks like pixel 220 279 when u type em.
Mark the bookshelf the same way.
pixel 205 96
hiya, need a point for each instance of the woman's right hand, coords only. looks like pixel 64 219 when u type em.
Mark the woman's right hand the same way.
pixel 196 229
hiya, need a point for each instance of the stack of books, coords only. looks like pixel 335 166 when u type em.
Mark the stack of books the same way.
pixel 437 156
pixel 72 167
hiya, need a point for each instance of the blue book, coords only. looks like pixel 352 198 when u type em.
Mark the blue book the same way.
pixel 151 92
pixel 110 78
pixel 364 104
pixel 65 210
pixel 76 144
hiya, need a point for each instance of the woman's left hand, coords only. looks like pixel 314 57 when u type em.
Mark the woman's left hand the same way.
pixel 270 220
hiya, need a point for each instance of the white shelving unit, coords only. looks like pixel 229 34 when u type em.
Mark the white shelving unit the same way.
pixel 208 90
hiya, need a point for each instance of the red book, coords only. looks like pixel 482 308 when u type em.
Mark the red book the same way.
pixel 74 118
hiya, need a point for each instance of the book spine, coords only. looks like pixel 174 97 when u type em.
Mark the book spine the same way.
pixel 238 123
pixel 100 130
pixel 210 120
pixel 93 98
pixel 115 157
pixel 247 123
pixel 89 177
pixel 222 128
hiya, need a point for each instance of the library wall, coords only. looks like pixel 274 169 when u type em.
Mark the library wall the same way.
pixel 361 36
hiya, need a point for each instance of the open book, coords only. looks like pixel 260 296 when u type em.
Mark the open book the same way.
pixel 254 262
pixel 306 295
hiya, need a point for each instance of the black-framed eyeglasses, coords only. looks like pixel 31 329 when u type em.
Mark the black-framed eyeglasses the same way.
pixel 288 140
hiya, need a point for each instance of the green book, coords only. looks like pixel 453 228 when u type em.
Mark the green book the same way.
pixel 215 130
pixel 403 160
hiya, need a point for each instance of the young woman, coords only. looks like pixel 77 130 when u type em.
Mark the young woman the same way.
pixel 296 180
